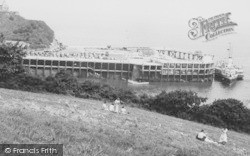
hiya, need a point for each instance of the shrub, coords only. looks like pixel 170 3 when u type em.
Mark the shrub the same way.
pixel 10 60
pixel 176 102
pixel 62 83
pixel 232 112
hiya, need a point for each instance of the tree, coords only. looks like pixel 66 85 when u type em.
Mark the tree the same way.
pixel 232 112
pixel 176 102
pixel 62 83
pixel 10 59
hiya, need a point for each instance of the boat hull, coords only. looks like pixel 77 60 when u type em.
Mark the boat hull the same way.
pixel 223 78
pixel 137 83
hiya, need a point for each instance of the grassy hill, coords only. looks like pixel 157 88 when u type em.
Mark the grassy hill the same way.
pixel 37 33
pixel 85 129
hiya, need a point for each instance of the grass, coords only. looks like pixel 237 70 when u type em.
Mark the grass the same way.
pixel 85 129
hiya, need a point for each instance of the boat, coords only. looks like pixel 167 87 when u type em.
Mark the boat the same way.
pixel 137 83
pixel 227 71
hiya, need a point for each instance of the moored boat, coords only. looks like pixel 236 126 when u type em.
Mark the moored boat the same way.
pixel 227 71
pixel 137 83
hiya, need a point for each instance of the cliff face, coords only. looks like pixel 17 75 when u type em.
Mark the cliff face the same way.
pixel 37 33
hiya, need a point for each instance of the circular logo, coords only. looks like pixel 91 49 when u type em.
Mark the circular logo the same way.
pixel 7 150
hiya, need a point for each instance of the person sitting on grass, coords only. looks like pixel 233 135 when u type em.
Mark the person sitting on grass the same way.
pixel 104 106
pixel 201 135
pixel 123 110
pixel 117 104
pixel 223 137
pixel 112 108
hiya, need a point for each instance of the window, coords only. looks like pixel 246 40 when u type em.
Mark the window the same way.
pixel 105 66
pixel 172 65
pixel 48 63
pixel 166 65
pixel 111 66
pixel 146 67
pixel 26 62
pixel 55 63
pixel 40 62
pixel 190 65
pixel 118 66
pixel 62 63
pixel 184 65
pixel 98 66
pixel 153 67
pixel 84 64
pixel 196 65
pixel 125 67
pixel 70 63
pixel 33 62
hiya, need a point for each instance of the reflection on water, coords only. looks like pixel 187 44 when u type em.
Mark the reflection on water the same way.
pixel 216 90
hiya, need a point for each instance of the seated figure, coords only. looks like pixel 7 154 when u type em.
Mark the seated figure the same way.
pixel 112 108
pixel 201 135
pixel 223 137
pixel 104 106
pixel 123 110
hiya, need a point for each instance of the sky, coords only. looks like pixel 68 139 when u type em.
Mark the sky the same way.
pixel 149 23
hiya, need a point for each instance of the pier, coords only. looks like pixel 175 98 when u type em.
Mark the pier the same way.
pixel 158 70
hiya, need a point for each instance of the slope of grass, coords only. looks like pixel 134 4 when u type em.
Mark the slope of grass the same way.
pixel 85 129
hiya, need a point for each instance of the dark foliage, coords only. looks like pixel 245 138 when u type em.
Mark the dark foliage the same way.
pixel 229 113
pixel 176 102
pixel 10 60
pixel 62 83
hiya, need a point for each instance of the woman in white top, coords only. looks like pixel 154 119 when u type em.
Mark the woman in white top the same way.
pixel 223 137
pixel 117 104
pixel 112 108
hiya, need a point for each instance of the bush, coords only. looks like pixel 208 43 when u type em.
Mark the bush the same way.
pixel 62 83
pixel 176 102
pixel 232 112
pixel 10 60
pixel 24 82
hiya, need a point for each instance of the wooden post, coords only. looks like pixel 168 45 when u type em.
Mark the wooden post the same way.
pixel 87 69
pixel 129 71
pixel 44 68
pixel 101 69
pixel 80 69
pixel 155 71
pixel 115 72
pixel 192 72
pixel 174 70
pixel 108 71
pixel 122 70
pixel 36 66
pixel 50 68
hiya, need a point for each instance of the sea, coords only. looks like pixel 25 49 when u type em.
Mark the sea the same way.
pixel 216 90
